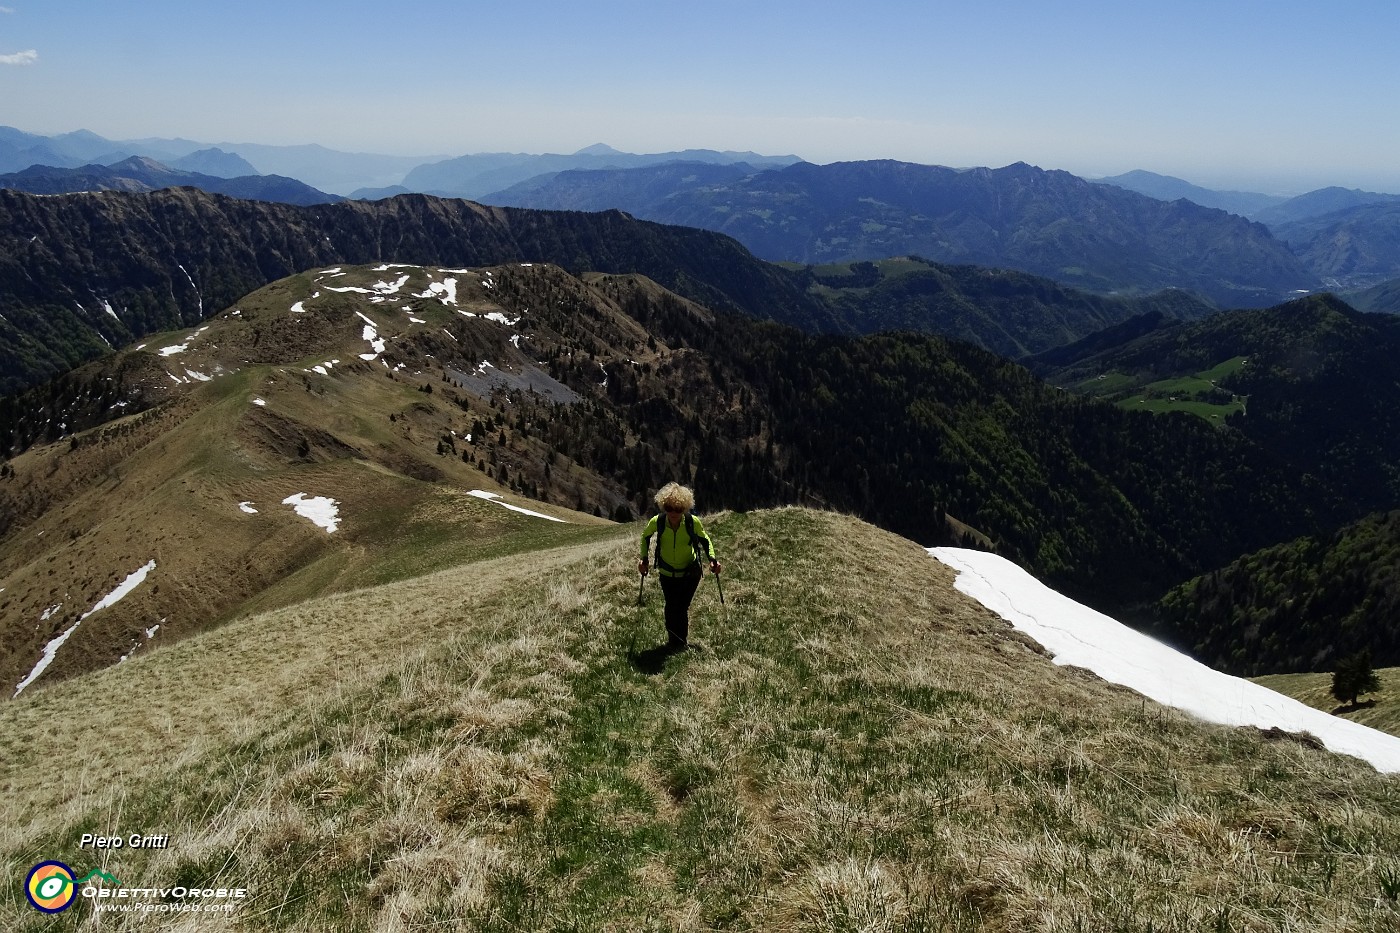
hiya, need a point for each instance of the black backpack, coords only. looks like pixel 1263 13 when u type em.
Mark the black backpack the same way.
pixel 699 545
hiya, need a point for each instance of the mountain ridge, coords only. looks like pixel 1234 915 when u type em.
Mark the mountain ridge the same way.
pixel 1048 223
pixel 153 262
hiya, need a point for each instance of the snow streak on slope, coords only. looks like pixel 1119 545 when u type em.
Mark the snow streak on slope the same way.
pixel 133 580
pixel 495 497
pixel 1077 635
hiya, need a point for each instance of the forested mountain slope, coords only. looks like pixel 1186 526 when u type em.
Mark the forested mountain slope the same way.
pixel 1299 606
pixel 1318 382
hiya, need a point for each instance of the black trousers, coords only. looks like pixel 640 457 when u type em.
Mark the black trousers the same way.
pixel 679 591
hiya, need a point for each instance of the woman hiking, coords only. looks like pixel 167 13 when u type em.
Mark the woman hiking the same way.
pixel 682 544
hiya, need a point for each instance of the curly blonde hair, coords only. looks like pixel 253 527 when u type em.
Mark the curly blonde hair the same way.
pixel 676 496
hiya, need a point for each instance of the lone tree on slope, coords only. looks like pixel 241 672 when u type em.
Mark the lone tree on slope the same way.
pixel 1353 677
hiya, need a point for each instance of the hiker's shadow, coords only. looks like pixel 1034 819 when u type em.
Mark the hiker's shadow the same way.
pixel 1353 707
pixel 651 661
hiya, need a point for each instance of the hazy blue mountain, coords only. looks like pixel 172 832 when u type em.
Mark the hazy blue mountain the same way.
pixel 1354 247
pixel 324 169
pixel 474 176
pixel 84 145
pixel 1382 299
pixel 328 169
pixel 1319 203
pixel 138 174
pixel 639 189
pixel 215 161
pixel 1167 188
pixel 19 150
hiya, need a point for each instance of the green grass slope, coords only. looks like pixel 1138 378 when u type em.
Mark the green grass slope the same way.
pixel 1378 710
pixel 856 746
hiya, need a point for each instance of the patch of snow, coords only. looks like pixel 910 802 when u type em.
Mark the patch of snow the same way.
pixel 177 348
pixel 493 497
pixel 299 308
pixel 449 333
pixel 48 613
pixel 320 510
pixel 259 402
pixel 200 376
pixel 371 336
pixel 444 291
pixel 500 318
pixel 247 507
pixel 133 580
pixel 391 288
pixel 107 306
pixel 350 288
pixel 1077 635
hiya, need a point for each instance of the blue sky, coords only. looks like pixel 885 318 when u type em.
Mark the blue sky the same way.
pixel 1280 96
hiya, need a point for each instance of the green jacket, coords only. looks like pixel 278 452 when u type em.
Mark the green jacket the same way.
pixel 676 552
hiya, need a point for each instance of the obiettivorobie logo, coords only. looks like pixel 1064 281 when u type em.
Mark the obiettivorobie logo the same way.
pixel 51 887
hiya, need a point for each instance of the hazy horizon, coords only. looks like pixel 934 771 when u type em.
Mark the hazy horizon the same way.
pixel 1248 96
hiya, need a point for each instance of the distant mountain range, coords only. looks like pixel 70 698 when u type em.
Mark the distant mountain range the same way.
pixel 1348 238
pixel 1048 223
pixel 473 176
pixel 140 174
pixel 322 168
pixel 1167 188
pixel 1057 227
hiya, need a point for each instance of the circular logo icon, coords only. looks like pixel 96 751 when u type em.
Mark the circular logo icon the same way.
pixel 50 887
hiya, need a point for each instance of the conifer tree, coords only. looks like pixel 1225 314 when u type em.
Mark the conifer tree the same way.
pixel 1353 677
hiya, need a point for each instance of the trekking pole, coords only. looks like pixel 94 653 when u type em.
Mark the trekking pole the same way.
pixel 641 581
pixel 721 588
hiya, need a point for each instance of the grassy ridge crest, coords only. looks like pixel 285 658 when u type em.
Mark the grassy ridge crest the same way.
pixel 856 746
